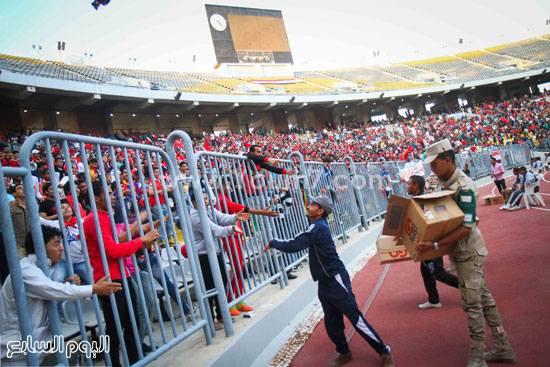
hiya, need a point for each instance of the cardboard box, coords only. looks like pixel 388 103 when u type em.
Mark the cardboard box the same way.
pixel 493 199
pixel 506 194
pixel 422 218
pixel 391 251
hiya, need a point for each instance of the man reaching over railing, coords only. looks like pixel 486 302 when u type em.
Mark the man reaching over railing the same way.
pixel 225 227
pixel 261 161
pixel 225 205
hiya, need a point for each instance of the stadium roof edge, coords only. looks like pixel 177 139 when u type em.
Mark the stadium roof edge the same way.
pixel 11 81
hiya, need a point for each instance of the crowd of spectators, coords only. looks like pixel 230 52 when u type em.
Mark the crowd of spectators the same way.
pixel 512 121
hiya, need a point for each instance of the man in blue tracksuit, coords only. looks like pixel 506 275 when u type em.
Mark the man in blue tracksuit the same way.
pixel 335 291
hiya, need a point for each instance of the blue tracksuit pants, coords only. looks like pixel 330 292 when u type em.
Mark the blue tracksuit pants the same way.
pixel 338 300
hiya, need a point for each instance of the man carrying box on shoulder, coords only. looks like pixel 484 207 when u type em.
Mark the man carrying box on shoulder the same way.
pixel 468 254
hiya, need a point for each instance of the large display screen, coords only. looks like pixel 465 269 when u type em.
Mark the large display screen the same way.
pixel 247 35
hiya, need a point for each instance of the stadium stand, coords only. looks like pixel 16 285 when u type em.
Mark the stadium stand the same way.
pixel 204 88
pixel 453 68
pixel 533 53
pixel 534 49
pixel 38 67
pixel 405 71
pixel 164 79
pixel 325 81
pixel 373 79
pixel 493 60
pixel 225 84
pixel 365 76
pixel 291 85
pixel 93 72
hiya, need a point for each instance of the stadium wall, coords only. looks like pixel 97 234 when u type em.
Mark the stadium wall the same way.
pixel 86 108
pixel 9 118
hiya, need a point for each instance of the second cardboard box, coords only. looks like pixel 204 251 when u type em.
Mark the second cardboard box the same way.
pixel 422 218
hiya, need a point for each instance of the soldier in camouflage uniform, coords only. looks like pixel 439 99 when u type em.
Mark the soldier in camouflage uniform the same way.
pixel 468 254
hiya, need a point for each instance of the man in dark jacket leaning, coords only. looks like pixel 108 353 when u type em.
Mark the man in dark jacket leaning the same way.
pixel 334 291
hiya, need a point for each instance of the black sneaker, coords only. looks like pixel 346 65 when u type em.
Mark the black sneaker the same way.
pixel 146 348
pixel 289 275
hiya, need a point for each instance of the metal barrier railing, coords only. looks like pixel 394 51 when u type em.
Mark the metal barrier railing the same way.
pixel 321 178
pixel 135 201
pixel 346 200
pixel 379 186
pixel 366 185
pixel 147 188
pixel 543 145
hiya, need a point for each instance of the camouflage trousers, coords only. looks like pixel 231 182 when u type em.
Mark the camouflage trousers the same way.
pixel 477 301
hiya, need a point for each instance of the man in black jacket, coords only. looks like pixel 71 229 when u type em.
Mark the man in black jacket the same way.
pixel 335 291
pixel 255 155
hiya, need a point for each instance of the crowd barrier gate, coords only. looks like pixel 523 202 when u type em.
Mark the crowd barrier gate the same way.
pixel 104 149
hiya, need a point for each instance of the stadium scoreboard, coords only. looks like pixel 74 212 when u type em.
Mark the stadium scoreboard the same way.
pixel 248 35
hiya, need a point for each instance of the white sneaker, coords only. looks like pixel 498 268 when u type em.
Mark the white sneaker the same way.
pixel 429 305
pixel 514 208
pixel 504 207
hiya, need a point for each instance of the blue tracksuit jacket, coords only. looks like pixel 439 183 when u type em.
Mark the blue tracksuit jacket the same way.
pixel 324 261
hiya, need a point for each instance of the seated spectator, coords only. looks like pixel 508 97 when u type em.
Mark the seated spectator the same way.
pixel 39 290
pixel 69 198
pixel 75 246
pixel 59 170
pixel 515 189
pixel 7 184
pixel 162 209
pixel 20 218
pixel 83 198
pixel 93 169
pixel 526 178
pixel 47 208
pixel 5 155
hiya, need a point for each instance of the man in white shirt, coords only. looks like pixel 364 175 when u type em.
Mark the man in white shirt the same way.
pixel 39 290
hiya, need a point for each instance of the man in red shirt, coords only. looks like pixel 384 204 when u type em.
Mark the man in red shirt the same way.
pixel 113 251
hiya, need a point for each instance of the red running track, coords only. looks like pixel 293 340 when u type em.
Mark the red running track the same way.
pixel 517 272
